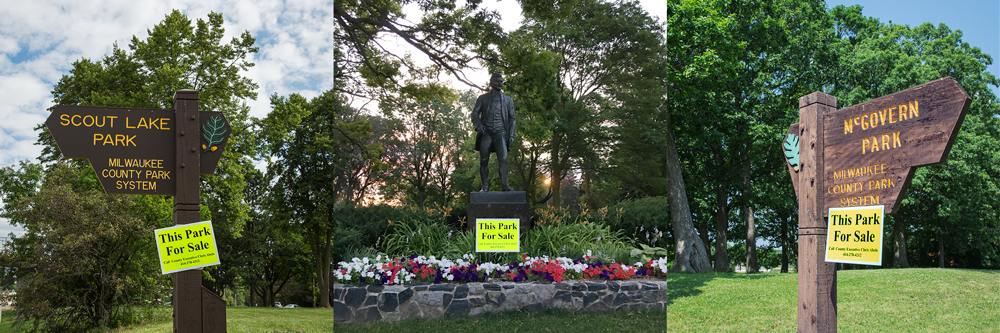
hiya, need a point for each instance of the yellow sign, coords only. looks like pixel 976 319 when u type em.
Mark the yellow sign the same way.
pixel 854 235
pixel 498 235
pixel 186 247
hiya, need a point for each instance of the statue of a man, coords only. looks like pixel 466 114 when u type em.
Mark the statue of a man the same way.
pixel 493 118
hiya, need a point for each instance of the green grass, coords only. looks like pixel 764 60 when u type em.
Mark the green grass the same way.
pixel 552 320
pixel 882 300
pixel 238 319
pixel 6 320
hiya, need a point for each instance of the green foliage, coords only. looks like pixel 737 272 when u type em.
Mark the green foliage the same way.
pixel 85 260
pixel 558 238
pixel 648 253
pixel 417 236
pixel 646 220
pixel 362 227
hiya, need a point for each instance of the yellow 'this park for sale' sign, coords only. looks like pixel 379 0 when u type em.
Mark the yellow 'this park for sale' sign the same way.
pixel 186 246
pixel 854 235
pixel 498 235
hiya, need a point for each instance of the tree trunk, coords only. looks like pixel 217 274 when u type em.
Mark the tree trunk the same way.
pixel 323 268
pixel 784 246
pixel 722 227
pixel 752 266
pixel 702 229
pixel 899 238
pixel 555 182
pixel 940 250
pixel 690 255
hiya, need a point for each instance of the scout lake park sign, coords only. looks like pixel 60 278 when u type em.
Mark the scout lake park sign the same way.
pixel 163 152
pixel 132 150
pixel 854 165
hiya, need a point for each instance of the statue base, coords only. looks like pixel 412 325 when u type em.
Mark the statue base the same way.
pixel 507 204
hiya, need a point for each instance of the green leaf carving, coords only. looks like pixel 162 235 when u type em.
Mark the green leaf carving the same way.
pixel 214 131
pixel 791 145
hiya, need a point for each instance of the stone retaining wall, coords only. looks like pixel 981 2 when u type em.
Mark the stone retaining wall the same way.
pixel 361 303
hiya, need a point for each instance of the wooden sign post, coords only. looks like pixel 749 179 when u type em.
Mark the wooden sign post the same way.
pixel 154 151
pixel 863 155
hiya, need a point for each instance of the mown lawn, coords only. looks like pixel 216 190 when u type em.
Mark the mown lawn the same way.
pixel 240 319
pixel 552 320
pixel 882 300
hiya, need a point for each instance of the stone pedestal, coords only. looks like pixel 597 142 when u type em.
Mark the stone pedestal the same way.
pixel 509 204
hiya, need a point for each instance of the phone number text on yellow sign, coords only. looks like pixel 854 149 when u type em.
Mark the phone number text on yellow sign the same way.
pixel 854 235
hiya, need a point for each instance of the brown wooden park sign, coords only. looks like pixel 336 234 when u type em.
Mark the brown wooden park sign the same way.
pixel 862 155
pixel 154 151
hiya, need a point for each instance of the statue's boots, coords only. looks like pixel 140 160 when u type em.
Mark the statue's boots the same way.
pixel 503 182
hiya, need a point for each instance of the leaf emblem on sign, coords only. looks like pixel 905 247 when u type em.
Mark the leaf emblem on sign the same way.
pixel 791 145
pixel 214 131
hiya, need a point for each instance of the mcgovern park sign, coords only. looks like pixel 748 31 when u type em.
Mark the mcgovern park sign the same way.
pixel 851 166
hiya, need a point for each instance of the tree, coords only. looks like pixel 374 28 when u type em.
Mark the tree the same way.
pixel 424 149
pixel 86 259
pixel 270 252
pixel 317 169
pixel 452 37
pixel 735 69
pixel 608 88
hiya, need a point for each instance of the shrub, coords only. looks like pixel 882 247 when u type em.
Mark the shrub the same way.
pixel 361 227
pixel 417 235
pixel 646 220
pixel 573 239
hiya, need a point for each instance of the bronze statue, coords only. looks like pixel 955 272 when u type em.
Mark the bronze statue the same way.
pixel 493 119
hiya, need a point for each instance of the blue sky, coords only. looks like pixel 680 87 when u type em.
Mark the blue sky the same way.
pixel 978 20
pixel 40 40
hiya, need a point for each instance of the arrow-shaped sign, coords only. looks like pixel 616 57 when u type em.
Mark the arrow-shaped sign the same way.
pixel 132 150
pixel 872 148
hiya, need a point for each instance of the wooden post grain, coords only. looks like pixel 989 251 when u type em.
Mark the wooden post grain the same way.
pixel 187 284
pixel 817 306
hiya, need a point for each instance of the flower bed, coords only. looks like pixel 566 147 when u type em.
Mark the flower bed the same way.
pixel 384 270
pixel 416 286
